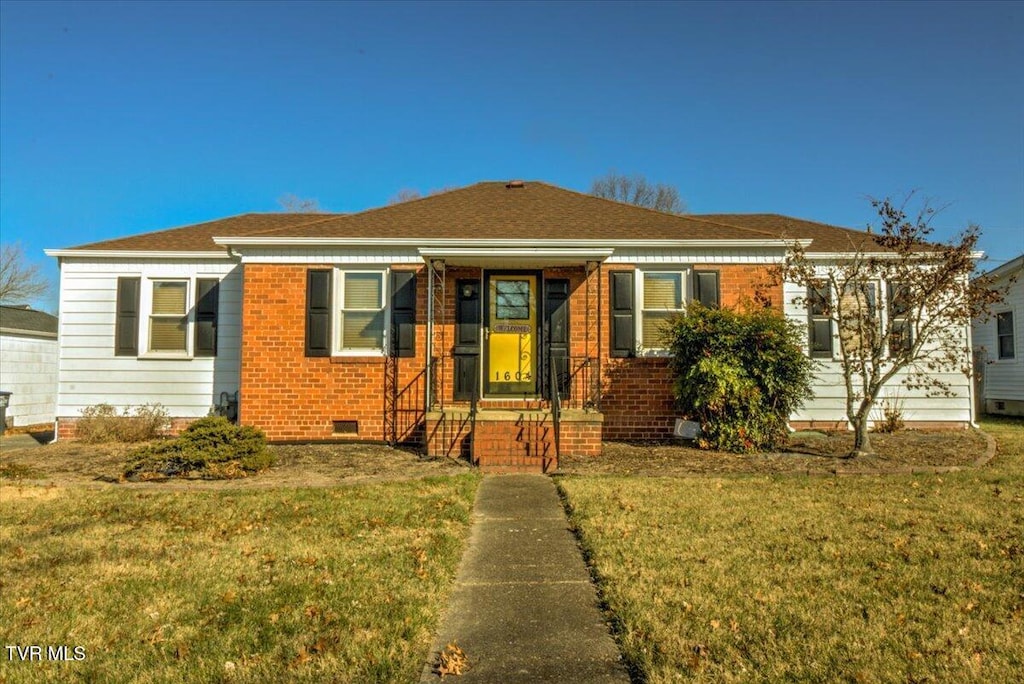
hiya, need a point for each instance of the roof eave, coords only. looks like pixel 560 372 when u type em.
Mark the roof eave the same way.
pixel 136 254
pixel 421 243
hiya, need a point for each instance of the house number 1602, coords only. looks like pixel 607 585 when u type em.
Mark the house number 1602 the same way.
pixel 519 376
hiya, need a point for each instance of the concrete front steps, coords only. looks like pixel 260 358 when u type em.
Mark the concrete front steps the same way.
pixel 512 441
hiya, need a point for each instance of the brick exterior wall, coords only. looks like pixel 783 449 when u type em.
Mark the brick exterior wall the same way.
pixel 292 397
pixel 636 393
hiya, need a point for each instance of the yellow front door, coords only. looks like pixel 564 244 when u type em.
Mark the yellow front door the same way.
pixel 511 334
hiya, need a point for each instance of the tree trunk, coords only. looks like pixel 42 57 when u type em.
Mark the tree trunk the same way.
pixel 861 436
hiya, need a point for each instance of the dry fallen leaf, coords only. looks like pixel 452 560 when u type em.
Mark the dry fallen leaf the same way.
pixel 452 661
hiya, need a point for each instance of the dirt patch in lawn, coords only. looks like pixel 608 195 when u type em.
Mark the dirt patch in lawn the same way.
pixel 318 465
pixel 815 453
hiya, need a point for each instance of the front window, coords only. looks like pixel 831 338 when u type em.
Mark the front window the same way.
pixel 859 327
pixel 1004 335
pixel 168 322
pixel 362 314
pixel 662 299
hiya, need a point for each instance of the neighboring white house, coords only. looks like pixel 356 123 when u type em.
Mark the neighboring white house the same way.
pixel 998 344
pixel 28 364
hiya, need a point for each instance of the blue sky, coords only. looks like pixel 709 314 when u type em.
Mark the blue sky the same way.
pixel 121 118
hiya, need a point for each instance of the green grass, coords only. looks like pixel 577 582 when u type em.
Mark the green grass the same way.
pixel 341 584
pixel 773 578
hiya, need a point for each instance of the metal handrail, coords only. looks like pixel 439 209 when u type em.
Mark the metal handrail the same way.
pixel 556 408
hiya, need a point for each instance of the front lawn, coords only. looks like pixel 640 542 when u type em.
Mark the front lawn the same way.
pixel 276 584
pixel 900 578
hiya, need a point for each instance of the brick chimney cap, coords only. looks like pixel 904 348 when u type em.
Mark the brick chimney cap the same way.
pixel 515 184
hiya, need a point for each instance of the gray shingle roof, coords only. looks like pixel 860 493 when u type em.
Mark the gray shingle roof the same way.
pixel 26 320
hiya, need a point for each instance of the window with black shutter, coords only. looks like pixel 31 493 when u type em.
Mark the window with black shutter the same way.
pixel 207 295
pixel 403 313
pixel 126 328
pixel 318 312
pixel 623 330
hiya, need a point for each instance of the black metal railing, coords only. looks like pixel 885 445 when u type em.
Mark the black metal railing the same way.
pixel 576 378
pixel 404 410
pixel 556 406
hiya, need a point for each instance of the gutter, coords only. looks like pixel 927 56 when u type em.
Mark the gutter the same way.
pixel 133 254
pixel 421 243
pixel 41 334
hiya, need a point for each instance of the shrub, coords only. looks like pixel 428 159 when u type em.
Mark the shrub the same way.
pixel 740 374
pixel 892 415
pixel 102 423
pixel 212 445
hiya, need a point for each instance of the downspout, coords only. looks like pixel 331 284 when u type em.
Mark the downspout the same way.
pixel 970 379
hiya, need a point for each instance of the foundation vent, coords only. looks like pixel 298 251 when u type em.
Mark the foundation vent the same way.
pixel 346 427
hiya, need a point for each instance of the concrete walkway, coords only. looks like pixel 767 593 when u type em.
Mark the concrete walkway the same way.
pixel 524 608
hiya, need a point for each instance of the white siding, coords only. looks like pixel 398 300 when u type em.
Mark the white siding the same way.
pixel 314 255
pixel 91 374
pixel 28 369
pixel 749 255
pixel 1003 378
pixel 829 402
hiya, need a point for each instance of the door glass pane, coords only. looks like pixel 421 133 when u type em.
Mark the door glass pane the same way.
pixel 362 290
pixel 663 290
pixel 512 299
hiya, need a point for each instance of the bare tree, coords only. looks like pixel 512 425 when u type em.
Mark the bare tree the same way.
pixel 409 194
pixel 637 190
pixel 20 282
pixel 405 195
pixel 904 310
pixel 293 204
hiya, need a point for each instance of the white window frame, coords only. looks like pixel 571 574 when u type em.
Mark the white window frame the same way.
pixel 338 308
pixel 146 315
pixel 684 295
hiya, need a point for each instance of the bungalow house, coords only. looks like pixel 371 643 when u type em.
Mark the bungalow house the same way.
pixel 998 345
pixel 506 322
pixel 28 364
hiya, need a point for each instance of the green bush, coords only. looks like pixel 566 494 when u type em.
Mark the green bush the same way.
pixel 740 374
pixel 102 423
pixel 213 446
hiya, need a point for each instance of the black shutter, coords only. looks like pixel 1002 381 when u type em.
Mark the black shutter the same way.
pixel 403 313
pixel 623 330
pixel 705 288
pixel 467 339
pixel 126 329
pixel 318 312
pixel 207 294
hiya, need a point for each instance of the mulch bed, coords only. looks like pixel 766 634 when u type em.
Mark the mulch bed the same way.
pixel 814 453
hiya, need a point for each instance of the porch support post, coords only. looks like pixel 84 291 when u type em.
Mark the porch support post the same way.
pixel 597 389
pixel 429 352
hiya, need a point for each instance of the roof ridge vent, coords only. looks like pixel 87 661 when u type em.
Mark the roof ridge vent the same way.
pixel 515 184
